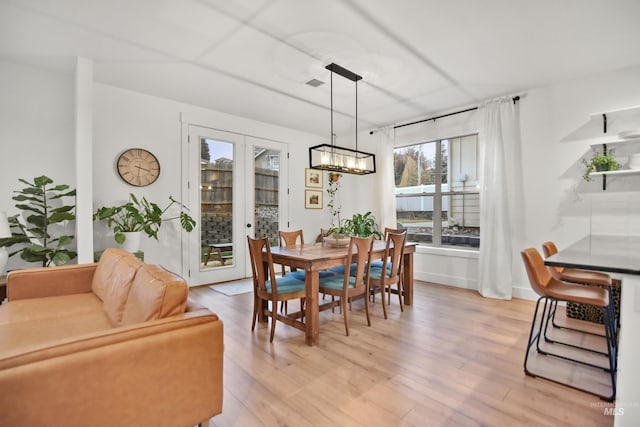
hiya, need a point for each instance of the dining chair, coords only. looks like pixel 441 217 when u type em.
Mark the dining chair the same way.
pixel 387 230
pixel 552 290
pixel 269 288
pixel 585 277
pixel 348 287
pixel 291 238
pixel 388 271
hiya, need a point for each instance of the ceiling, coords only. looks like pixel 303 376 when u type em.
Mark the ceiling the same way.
pixel 251 58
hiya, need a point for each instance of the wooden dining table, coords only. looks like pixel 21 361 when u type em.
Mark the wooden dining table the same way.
pixel 315 257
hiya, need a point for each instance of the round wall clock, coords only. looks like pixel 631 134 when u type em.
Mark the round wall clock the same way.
pixel 139 167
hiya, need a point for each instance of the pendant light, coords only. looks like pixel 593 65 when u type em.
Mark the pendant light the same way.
pixel 341 159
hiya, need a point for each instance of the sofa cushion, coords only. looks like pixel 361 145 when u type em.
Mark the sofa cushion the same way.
pixel 112 281
pixel 35 323
pixel 155 293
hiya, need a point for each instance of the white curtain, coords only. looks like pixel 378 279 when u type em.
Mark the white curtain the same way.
pixel 501 198
pixel 385 179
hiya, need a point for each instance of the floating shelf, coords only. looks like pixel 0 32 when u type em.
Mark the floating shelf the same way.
pixel 617 172
pixel 619 110
pixel 614 141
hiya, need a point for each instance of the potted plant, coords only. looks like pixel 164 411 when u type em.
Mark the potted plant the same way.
pixel 41 200
pixel 334 203
pixel 140 215
pixel 360 225
pixel 599 162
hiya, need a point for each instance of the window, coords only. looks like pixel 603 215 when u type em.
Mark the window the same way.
pixel 437 191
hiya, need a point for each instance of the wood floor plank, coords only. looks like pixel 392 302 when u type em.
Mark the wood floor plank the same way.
pixel 453 358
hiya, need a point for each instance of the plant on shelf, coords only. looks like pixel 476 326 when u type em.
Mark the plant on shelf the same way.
pixel 41 200
pixel 140 215
pixel 599 162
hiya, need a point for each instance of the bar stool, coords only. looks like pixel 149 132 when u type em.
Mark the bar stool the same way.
pixel 552 290
pixel 576 275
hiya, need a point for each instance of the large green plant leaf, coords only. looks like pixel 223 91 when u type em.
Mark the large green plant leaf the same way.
pixel 41 181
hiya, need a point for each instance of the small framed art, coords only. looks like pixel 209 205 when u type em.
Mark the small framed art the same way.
pixel 313 178
pixel 313 199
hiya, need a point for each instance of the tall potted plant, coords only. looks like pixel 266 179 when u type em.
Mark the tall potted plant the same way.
pixel 40 201
pixel 140 216
pixel 333 202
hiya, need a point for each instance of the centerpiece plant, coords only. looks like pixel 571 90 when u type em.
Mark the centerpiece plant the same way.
pixel 360 225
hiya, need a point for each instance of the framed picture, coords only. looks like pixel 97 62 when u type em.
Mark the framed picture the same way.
pixel 313 199
pixel 313 178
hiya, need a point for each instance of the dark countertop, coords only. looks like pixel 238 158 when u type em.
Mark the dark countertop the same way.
pixel 613 254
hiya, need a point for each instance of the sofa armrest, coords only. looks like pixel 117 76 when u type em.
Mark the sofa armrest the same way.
pixel 50 281
pixel 164 372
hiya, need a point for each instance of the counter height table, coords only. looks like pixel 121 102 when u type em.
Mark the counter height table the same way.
pixel 620 256
pixel 314 257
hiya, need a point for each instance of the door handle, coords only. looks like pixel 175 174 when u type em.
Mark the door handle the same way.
pixel 248 225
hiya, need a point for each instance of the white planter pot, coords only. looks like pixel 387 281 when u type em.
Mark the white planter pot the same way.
pixel 341 240
pixel 132 241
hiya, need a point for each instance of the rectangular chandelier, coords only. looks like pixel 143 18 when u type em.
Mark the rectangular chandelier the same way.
pixel 341 159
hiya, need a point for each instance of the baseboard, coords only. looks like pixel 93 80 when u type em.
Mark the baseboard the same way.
pixel 466 283
pixel 445 279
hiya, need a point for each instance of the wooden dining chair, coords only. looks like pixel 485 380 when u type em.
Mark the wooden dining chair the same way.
pixel 387 272
pixel 552 290
pixel 387 230
pixel 288 239
pixel 348 287
pixel 267 288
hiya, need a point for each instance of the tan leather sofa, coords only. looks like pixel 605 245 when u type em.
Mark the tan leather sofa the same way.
pixel 115 343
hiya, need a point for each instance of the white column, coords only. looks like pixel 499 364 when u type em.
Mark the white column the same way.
pixel 84 158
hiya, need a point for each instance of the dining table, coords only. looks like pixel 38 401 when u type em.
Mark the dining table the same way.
pixel 316 257
pixel 620 256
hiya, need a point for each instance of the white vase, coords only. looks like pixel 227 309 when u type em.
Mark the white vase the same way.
pixel 337 241
pixel 131 241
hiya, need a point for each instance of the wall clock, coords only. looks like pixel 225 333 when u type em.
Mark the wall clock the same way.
pixel 139 167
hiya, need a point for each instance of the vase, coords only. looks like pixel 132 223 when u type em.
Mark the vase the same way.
pixel 337 240
pixel 131 241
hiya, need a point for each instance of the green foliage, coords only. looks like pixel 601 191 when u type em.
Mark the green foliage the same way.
pixel 36 201
pixel 361 225
pixel 599 162
pixel 333 203
pixel 140 215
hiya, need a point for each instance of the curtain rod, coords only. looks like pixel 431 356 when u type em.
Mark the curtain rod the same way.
pixel 514 99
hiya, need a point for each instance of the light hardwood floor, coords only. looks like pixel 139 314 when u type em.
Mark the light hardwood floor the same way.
pixel 454 358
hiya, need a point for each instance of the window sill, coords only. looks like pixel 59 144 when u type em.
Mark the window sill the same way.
pixel 447 251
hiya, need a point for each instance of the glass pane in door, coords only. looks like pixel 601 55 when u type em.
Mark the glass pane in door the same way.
pixel 216 203
pixel 267 196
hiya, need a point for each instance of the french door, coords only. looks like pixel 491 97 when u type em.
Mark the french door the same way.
pixel 237 188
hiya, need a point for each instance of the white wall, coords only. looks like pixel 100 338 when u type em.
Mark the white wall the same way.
pixel 557 131
pixel 36 131
pixel 124 119
pixel 36 136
